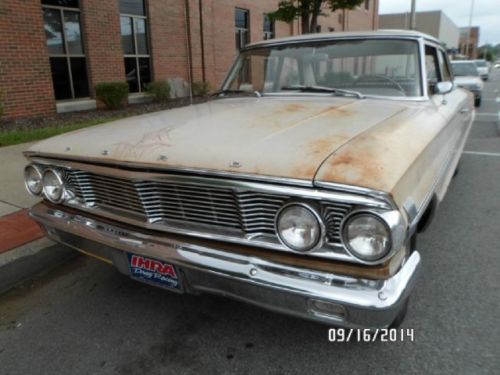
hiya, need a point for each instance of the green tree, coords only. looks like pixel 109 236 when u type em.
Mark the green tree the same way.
pixel 309 10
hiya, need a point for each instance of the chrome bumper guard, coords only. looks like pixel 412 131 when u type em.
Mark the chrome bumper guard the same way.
pixel 317 295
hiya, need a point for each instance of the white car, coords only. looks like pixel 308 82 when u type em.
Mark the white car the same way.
pixel 483 69
pixel 467 76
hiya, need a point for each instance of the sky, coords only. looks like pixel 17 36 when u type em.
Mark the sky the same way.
pixel 486 14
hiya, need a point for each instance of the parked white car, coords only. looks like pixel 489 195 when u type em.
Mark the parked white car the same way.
pixel 483 69
pixel 467 76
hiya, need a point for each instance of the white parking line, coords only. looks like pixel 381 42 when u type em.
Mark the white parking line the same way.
pixel 487 114
pixel 482 153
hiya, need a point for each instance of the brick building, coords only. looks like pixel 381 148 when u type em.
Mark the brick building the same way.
pixel 469 41
pixel 54 52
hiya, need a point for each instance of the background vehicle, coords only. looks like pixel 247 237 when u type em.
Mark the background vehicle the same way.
pixel 467 76
pixel 483 69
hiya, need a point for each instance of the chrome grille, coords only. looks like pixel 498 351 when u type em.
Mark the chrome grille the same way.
pixel 244 213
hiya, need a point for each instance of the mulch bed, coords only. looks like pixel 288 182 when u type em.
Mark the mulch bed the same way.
pixel 65 119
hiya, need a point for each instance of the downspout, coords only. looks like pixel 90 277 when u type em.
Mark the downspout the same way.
pixel 202 43
pixel 190 53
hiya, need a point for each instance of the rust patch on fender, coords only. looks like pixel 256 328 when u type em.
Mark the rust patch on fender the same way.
pixel 315 154
pixel 354 167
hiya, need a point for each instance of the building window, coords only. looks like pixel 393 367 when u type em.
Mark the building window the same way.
pixel 318 28
pixel 65 46
pixel 331 29
pixel 268 28
pixel 242 18
pixel 133 22
pixel 367 4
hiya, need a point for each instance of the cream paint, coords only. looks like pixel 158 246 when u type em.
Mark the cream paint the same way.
pixel 281 137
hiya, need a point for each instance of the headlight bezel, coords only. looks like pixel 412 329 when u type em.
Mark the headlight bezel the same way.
pixel 378 216
pixel 59 178
pixel 39 171
pixel 321 226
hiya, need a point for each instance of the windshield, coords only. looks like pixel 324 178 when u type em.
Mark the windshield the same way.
pixel 464 69
pixel 370 67
pixel 481 63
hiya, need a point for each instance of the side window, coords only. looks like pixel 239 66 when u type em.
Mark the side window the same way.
pixel 432 68
pixel 289 74
pixel 445 67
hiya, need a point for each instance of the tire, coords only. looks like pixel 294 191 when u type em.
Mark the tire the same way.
pixel 401 316
pixel 477 102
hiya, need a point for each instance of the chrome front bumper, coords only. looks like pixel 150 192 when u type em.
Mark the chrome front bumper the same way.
pixel 317 295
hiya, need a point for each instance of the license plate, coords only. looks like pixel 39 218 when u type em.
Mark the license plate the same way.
pixel 154 271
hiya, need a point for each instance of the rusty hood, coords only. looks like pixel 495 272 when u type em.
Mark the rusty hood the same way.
pixel 270 136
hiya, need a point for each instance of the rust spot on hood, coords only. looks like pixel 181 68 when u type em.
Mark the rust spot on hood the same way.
pixel 150 142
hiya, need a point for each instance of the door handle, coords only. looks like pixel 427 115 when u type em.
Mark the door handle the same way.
pixel 465 110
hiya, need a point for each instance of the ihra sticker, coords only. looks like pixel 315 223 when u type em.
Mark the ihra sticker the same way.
pixel 153 271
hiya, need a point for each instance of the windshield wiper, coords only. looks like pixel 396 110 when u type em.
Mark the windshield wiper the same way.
pixel 236 92
pixel 304 88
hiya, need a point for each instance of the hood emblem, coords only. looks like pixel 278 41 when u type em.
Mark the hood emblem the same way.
pixel 235 164
pixel 162 158
pixel 105 152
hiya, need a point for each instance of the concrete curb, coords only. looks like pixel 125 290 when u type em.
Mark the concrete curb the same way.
pixel 29 260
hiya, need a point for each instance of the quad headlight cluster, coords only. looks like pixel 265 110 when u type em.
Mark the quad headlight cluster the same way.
pixel 46 181
pixel 365 235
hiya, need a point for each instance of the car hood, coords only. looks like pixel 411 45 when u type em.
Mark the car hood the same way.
pixel 270 136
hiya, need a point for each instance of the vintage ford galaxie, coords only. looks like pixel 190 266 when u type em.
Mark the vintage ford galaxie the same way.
pixel 301 187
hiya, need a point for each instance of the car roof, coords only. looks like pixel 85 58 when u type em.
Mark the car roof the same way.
pixel 397 34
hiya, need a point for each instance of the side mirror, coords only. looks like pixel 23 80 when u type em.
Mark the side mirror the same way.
pixel 444 87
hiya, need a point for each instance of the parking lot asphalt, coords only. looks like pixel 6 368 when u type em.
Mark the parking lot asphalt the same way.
pixel 85 318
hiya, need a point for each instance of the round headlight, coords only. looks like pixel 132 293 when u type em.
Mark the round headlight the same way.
pixel 367 237
pixel 299 227
pixel 53 187
pixel 33 179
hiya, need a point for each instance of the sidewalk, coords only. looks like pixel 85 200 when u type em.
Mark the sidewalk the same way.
pixel 24 251
pixel 16 228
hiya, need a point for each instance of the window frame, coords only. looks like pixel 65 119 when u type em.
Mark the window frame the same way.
pixel 137 56
pixel 268 34
pixel 67 55
pixel 444 63
pixel 439 74
pixel 240 29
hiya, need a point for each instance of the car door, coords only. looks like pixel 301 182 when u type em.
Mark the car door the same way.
pixel 455 107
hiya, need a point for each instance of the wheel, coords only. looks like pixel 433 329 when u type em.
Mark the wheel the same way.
pixel 477 102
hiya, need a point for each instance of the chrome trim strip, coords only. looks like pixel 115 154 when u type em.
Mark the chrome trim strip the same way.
pixel 342 196
pixel 374 194
pixel 326 37
pixel 47 158
pixel 368 302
